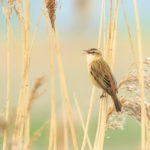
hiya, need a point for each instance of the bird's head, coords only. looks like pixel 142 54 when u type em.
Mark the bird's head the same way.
pixel 93 51
pixel 93 54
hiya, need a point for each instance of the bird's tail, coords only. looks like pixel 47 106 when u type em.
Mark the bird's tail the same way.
pixel 116 103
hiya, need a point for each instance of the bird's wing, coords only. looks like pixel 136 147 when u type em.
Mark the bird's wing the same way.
pixel 102 74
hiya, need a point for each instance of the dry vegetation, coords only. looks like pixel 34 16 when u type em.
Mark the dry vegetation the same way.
pixel 134 84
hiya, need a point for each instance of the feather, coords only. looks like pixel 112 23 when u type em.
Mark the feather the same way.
pixel 102 74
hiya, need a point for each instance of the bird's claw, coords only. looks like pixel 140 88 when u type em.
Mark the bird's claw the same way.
pixel 103 95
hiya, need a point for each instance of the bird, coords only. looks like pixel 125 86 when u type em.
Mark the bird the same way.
pixel 101 75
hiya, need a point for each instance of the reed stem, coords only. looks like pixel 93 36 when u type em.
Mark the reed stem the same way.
pixel 141 78
pixel 8 83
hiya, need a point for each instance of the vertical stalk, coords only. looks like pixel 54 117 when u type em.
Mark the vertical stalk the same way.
pixel 65 123
pixel 65 92
pixel 100 25
pixel 141 78
pixel 82 123
pixel 88 119
pixel 109 57
pixel 64 87
pixel 8 83
pixel 53 127
pixel 133 50
pixel 93 89
pixel 26 120
pixel 19 109
pixel 22 124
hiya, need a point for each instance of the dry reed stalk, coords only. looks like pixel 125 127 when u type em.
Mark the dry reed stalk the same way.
pixel 88 119
pixel 130 36
pixel 104 42
pixel 53 126
pixel 107 52
pixel 19 109
pixel 103 110
pixel 7 14
pixel 102 114
pixel 109 57
pixel 100 25
pixel 82 122
pixel 98 128
pixel 103 104
pixel 34 95
pixel 65 123
pixel 65 92
pixel 35 33
pixel 26 119
pixel 148 141
pixel 50 4
pixel 114 33
pixel 22 104
pixel 93 89
pixel 141 79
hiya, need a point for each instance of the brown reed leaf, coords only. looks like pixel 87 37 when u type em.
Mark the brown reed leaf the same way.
pixel 51 6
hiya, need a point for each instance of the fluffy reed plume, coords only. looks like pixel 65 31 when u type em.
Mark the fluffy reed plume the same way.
pixel 35 94
pixel 130 82
pixel 51 7
pixel 132 108
pixel 132 103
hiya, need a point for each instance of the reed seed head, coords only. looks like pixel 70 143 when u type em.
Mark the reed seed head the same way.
pixel 51 6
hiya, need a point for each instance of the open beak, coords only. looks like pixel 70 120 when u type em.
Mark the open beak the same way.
pixel 85 52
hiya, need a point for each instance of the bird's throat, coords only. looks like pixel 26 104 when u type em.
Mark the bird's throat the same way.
pixel 90 58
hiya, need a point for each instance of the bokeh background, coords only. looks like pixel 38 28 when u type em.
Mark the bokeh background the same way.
pixel 77 24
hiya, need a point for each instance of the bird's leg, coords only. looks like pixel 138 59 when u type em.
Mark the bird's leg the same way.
pixel 103 94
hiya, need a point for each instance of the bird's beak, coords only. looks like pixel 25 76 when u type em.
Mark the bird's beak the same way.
pixel 85 52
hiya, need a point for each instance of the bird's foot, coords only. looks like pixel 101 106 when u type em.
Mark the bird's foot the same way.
pixel 103 94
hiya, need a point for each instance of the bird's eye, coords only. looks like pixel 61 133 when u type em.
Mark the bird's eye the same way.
pixel 93 52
